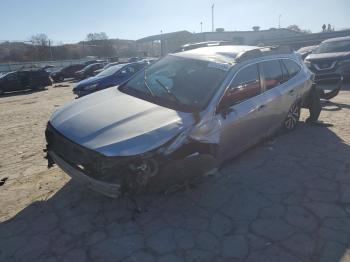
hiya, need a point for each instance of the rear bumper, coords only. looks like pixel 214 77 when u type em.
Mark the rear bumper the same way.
pixel 108 189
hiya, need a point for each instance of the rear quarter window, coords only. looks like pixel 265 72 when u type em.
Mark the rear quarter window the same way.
pixel 292 67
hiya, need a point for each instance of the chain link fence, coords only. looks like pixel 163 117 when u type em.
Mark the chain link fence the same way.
pixel 14 66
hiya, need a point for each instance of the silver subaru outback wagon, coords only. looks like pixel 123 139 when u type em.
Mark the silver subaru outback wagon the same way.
pixel 179 118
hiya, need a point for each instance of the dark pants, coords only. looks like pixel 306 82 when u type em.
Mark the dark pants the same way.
pixel 313 103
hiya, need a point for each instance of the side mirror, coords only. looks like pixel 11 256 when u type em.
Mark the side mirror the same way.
pixel 224 107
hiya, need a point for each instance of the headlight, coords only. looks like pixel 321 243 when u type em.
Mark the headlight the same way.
pixel 307 63
pixel 343 62
pixel 90 87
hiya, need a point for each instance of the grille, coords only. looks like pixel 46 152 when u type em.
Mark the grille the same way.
pixel 326 64
pixel 100 167
pixel 72 153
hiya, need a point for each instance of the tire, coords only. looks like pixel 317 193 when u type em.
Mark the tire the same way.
pixel 292 118
pixel 1 92
pixel 61 78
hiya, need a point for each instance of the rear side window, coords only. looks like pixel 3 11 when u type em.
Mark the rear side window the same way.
pixel 272 73
pixel 285 73
pixel 245 85
pixel 292 67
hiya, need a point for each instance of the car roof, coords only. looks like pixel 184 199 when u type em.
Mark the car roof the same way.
pixel 336 39
pixel 233 54
pixel 219 54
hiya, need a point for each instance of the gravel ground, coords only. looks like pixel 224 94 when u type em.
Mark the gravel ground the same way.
pixel 287 199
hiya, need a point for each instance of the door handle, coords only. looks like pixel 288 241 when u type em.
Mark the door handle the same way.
pixel 291 91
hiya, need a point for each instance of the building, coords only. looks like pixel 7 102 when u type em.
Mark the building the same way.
pixel 170 42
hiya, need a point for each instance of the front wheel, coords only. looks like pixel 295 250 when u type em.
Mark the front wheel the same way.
pixel 292 118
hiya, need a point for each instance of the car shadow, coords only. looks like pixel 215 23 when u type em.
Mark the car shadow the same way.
pixel 23 92
pixel 334 106
pixel 286 198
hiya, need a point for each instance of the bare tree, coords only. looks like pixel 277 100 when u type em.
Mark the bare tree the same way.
pixel 40 39
pixel 96 36
pixel 296 28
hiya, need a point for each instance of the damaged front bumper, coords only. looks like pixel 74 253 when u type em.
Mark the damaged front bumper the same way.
pixel 152 172
pixel 108 189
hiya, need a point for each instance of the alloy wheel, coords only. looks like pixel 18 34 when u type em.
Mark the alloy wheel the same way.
pixel 293 117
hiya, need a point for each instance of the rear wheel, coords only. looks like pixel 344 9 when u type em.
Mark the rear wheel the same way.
pixel 292 118
pixel 1 92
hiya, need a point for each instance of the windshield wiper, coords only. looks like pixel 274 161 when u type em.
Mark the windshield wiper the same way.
pixel 146 84
pixel 167 90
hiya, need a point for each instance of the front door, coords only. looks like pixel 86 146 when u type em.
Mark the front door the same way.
pixel 12 82
pixel 241 113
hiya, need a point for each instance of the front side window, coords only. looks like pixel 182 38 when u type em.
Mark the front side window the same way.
pixel 272 73
pixel 292 67
pixel 187 82
pixel 245 85
pixel 11 77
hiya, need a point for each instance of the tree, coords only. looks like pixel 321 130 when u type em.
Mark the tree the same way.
pixel 256 28
pixel 296 28
pixel 96 36
pixel 40 39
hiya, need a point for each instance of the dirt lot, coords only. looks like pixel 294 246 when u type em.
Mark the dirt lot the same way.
pixel 285 200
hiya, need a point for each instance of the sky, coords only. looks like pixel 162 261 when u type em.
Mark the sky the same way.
pixel 69 21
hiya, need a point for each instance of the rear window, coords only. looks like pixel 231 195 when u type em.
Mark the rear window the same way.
pixel 292 67
pixel 272 73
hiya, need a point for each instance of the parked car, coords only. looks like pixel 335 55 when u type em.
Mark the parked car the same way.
pixel 306 50
pixel 112 76
pixel 178 118
pixel 331 59
pixel 88 71
pixel 23 80
pixel 108 66
pixel 66 72
pixel 93 62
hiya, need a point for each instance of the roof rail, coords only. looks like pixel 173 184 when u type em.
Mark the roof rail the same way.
pixel 192 46
pixel 262 51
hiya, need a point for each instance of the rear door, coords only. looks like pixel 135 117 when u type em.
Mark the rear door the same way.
pixel 292 89
pixel 242 125
pixel 273 86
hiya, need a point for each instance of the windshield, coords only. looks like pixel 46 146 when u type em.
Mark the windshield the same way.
pixel 333 47
pixel 188 82
pixel 110 71
pixel 2 75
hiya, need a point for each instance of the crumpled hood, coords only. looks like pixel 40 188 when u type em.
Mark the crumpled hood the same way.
pixel 116 124
pixel 337 55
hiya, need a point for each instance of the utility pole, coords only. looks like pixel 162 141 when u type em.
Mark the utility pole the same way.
pixel 161 44
pixel 212 18
pixel 279 21
pixel 50 50
pixel 201 27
